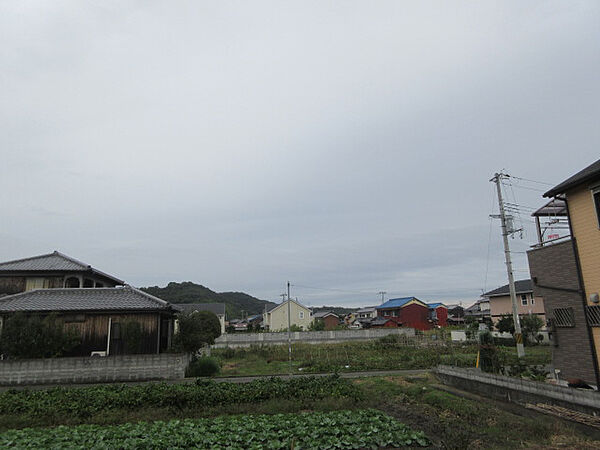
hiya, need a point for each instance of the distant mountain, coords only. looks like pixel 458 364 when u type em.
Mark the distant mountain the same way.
pixel 188 292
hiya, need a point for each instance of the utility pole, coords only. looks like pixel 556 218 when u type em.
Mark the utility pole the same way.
pixel 511 280
pixel 382 293
pixel 289 328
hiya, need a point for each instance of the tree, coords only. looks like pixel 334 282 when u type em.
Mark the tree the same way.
pixel 530 327
pixel 489 359
pixel 196 329
pixel 472 327
pixel 506 324
pixel 36 337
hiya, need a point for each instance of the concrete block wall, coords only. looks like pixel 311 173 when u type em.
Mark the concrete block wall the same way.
pixel 164 366
pixel 554 266
pixel 309 337
pixel 520 391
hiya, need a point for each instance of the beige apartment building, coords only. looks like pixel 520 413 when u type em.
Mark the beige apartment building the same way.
pixel 527 302
pixel 565 268
pixel 276 319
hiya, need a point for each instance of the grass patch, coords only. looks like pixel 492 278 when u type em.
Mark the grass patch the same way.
pixel 359 356
pixel 464 423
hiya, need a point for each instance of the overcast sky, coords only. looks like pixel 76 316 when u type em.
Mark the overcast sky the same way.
pixel 345 146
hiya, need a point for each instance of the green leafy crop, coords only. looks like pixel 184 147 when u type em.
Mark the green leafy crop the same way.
pixel 85 402
pixel 340 429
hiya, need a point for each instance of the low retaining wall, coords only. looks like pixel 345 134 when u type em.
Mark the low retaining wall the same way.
pixel 234 340
pixel 164 366
pixel 520 391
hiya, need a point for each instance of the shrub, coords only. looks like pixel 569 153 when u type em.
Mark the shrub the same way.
pixel 195 330
pixel 36 337
pixel 204 366
pixel 317 325
pixel 531 326
pixel 489 357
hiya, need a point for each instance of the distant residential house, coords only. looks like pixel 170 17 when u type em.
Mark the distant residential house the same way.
pixel 99 315
pixel 216 308
pixel 276 318
pixel 407 311
pixel 255 321
pixel 350 318
pixel 330 319
pixel 527 303
pixel 438 314
pixel 456 314
pixel 370 312
pixel 382 322
pixel 49 271
pixel 480 310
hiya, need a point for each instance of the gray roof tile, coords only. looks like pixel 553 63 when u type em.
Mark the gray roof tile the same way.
pixel 521 287
pixel 51 262
pixel 82 299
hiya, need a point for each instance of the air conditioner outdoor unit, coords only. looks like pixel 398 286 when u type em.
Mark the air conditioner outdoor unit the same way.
pixel 97 354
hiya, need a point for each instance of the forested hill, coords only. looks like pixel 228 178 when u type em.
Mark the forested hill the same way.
pixel 188 292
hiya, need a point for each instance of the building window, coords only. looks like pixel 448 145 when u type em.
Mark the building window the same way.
pixel 394 313
pixel 524 299
pixel 72 282
pixel 87 283
pixel 302 314
pixel 563 317
pixel 532 300
pixel 596 197
pixel 36 283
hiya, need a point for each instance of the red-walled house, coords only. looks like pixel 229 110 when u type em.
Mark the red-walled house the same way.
pixel 438 313
pixel 407 312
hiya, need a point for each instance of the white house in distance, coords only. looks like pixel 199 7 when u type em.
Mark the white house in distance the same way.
pixel 276 318
pixel 369 312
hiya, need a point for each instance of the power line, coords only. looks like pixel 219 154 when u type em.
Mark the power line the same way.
pixel 532 181
pixel 529 188
pixel 336 290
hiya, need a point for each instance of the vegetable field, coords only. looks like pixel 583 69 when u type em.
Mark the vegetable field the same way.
pixel 83 402
pixel 339 429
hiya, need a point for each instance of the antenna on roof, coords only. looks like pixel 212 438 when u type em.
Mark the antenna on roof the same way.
pixel 382 293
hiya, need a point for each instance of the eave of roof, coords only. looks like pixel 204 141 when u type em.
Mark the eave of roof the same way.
pixel 400 303
pixel 274 307
pixel 124 298
pixel 588 174
pixel 521 287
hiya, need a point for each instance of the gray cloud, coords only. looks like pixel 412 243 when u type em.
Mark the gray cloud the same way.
pixel 345 146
